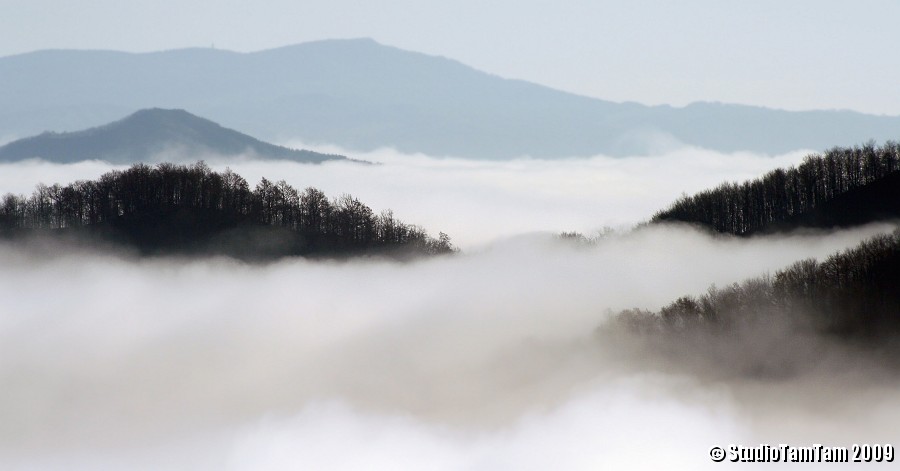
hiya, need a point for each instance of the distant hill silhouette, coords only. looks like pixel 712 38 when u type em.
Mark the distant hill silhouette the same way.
pixel 844 187
pixel 144 135
pixel 363 95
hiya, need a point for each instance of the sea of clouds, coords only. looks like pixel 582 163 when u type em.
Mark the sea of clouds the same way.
pixel 483 360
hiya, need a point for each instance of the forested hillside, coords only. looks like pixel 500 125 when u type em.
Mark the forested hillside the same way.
pixel 845 186
pixel 855 293
pixel 177 208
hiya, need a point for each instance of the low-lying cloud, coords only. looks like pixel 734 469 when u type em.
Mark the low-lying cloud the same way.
pixel 485 360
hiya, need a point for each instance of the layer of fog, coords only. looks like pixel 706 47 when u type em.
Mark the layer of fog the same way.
pixel 480 361
pixel 478 202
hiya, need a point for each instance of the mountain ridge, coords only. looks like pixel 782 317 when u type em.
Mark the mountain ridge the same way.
pixel 362 95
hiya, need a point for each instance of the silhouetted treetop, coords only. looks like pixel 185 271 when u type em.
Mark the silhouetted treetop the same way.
pixel 852 293
pixel 845 186
pixel 179 208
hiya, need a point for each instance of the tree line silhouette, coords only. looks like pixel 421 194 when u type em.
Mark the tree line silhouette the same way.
pixel 851 293
pixel 781 194
pixel 167 205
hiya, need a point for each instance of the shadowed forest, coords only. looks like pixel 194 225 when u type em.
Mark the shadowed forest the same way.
pixel 855 293
pixel 172 208
pixel 823 191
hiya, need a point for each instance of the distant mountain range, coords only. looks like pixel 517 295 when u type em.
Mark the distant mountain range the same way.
pixel 149 135
pixel 363 95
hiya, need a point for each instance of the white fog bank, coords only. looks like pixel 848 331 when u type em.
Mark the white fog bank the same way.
pixel 484 360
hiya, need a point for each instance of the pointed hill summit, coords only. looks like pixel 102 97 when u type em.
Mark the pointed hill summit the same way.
pixel 149 135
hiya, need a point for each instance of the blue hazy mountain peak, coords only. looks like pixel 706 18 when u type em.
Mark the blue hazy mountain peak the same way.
pixel 148 135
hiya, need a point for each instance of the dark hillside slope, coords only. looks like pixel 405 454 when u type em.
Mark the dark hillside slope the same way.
pixel 843 187
pixel 836 318
pixel 193 210
pixel 876 201
pixel 855 293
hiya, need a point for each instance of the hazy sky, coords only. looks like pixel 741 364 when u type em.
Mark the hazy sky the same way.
pixel 800 54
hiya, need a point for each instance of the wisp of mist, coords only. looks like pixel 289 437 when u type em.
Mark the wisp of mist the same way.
pixel 482 360
pixel 476 202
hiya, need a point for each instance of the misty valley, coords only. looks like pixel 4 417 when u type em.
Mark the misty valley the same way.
pixel 189 303
pixel 383 259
